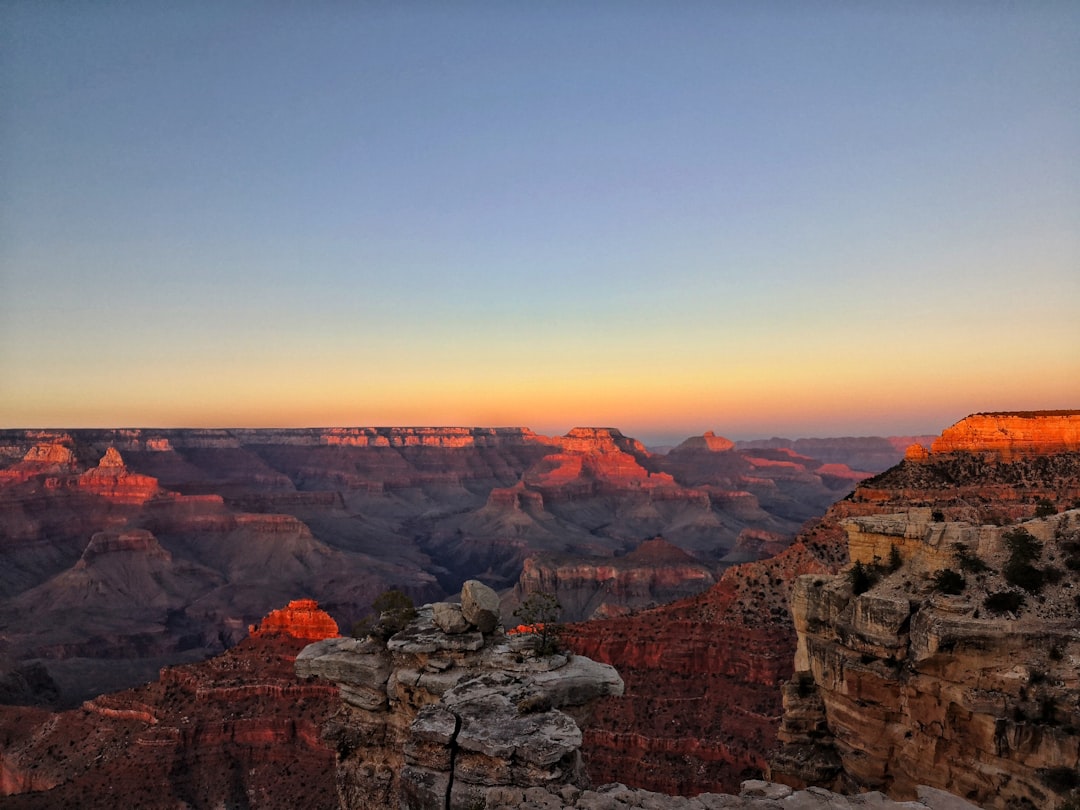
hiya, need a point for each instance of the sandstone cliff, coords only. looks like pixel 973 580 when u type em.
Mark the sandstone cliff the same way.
pixel 1008 435
pixel 948 653
pixel 702 702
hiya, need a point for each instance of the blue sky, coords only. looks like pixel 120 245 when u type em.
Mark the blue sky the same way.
pixel 754 218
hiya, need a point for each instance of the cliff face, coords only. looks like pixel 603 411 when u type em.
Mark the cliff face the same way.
pixel 655 573
pixel 237 730
pixel 1009 435
pixel 949 655
pixel 702 701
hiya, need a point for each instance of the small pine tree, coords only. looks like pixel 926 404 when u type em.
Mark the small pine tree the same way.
pixel 896 559
pixel 862 578
pixel 540 612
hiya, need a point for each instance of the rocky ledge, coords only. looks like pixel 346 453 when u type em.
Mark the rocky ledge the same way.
pixel 754 795
pixel 451 712
pixel 948 654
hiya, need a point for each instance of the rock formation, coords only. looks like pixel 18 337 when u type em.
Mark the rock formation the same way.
pixel 301 618
pixel 948 653
pixel 655 573
pixel 112 480
pixel 702 702
pixel 437 719
pixel 1006 436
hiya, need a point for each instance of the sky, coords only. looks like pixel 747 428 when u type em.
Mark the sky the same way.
pixel 757 218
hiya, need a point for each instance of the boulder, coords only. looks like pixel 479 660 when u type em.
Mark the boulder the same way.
pixel 480 606
pixel 449 618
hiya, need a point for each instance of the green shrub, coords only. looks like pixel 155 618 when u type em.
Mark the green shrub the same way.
pixel 541 612
pixel 390 612
pixel 968 561
pixel 1024 551
pixel 1044 508
pixel 1022 545
pixel 1004 602
pixel 949 581
pixel 896 559
pixel 862 577
pixel 1024 575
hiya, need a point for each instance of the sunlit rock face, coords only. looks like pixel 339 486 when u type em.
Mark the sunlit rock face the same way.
pixel 301 618
pixel 1008 435
pixel 944 666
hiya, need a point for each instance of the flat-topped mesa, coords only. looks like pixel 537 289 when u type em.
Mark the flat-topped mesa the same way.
pixel 301 618
pixel 600 440
pixel 50 454
pixel 443 715
pixel 709 442
pixel 446 437
pixel 1011 434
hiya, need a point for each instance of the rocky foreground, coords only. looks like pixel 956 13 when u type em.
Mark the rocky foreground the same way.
pixel 450 712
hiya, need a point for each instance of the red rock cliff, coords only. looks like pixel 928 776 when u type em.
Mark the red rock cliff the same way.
pixel 1013 434
pixel 702 701
pixel 301 618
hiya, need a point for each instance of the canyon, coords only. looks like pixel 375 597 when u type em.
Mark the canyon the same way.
pixel 778 667
pixel 122 551
pixel 705 695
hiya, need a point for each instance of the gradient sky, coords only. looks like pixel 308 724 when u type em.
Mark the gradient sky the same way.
pixel 803 219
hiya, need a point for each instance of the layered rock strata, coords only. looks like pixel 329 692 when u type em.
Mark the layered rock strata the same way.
pixel 948 653
pixel 654 573
pixel 754 794
pixel 702 703
pixel 130 549
pixel 453 719
pixel 239 730
pixel 1010 435
pixel 301 618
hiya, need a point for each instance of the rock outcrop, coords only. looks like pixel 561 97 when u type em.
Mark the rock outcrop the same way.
pixel 1006 436
pixel 948 653
pixel 435 719
pixel 655 573
pixel 301 618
